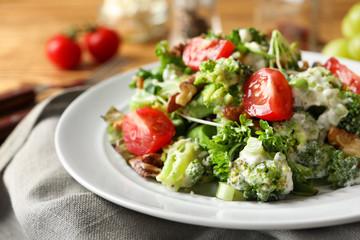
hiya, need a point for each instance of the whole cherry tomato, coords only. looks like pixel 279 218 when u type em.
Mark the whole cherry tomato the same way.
pixel 102 43
pixel 63 51
pixel 346 76
pixel 200 49
pixel 268 95
pixel 146 130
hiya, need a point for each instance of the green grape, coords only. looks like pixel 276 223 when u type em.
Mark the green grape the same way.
pixel 337 47
pixel 350 25
pixel 354 47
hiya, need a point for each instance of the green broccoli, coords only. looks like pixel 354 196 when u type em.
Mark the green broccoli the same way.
pixel 345 170
pixel 193 173
pixel 225 78
pixel 227 71
pixel 182 167
pixel 258 175
pixel 299 129
pixel 351 121
pixel 315 156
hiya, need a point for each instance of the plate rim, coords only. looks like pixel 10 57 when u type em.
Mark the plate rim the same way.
pixel 178 217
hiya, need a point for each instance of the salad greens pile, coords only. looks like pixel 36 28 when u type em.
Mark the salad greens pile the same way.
pixel 218 140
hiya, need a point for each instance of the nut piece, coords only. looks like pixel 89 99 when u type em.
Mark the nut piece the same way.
pixel 147 165
pixel 171 104
pixel 139 82
pixel 187 91
pixel 117 125
pixel 349 143
pixel 177 49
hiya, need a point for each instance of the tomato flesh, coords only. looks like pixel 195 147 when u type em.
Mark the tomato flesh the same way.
pixel 199 49
pixel 268 95
pixel 146 130
pixel 347 77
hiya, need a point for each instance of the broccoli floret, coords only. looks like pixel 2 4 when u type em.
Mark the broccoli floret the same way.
pixel 351 121
pixel 225 78
pixel 258 175
pixel 345 170
pixel 227 71
pixel 300 172
pixel 299 129
pixel 315 156
pixel 193 173
pixel 177 158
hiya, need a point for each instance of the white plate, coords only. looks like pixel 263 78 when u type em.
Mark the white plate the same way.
pixel 81 144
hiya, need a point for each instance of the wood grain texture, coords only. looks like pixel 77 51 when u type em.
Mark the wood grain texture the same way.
pixel 26 25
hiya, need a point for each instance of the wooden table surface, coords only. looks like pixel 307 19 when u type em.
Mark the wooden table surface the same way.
pixel 26 25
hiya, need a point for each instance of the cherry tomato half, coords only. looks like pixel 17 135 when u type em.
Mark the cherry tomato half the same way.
pixel 146 130
pixel 346 76
pixel 200 49
pixel 63 51
pixel 268 95
pixel 102 43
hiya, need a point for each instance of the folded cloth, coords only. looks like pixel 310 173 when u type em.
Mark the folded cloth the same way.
pixel 49 204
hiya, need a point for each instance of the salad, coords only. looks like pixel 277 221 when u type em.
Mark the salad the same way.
pixel 241 110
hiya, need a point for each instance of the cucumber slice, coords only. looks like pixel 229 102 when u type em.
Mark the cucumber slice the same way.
pixel 229 193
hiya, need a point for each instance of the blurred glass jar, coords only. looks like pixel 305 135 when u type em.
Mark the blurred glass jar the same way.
pixel 295 19
pixel 136 20
pixel 190 18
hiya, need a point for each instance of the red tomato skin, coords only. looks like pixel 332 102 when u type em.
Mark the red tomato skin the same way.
pixel 199 49
pixel 63 52
pixel 268 95
pixel 347 77
pixel 146 130
pixel 103 43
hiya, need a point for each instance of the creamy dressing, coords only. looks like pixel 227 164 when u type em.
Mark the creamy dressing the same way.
pixel 321 92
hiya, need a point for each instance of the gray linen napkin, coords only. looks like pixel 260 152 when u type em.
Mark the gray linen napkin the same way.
pixel 49 204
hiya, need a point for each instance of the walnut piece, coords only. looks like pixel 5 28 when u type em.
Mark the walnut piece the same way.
pixel 178 49
pixel 117 125
pixel 349 143
pixel 187 91
pixel 171 104
pixel 139 82
pixel 148 165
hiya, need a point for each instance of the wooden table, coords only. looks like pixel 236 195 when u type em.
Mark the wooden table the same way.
pixel 26 25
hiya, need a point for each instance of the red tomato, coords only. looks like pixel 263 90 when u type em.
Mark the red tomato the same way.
pixel 63 51
pixel 268 95
pixel 200 49
pixel 102 43
pixel 346 76
pixel 146 130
